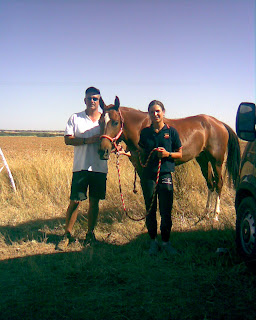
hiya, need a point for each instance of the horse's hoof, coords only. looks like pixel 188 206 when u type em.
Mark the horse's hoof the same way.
pixel 216 218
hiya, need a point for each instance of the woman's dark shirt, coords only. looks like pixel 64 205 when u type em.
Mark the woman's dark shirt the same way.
pixel 167 138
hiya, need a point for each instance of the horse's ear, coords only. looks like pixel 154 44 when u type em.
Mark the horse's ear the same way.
pixel 102 104
pixel 117 103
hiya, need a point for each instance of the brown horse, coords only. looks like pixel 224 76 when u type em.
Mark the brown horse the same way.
pixel 203 137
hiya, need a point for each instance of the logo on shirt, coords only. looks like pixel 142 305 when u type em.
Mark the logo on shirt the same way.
pixel 166 136
pixel 167 180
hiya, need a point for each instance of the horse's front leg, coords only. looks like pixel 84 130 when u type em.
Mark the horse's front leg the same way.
pixel 218 185
pixel 134 158
pixel 217 208
pixel 213 195
pixel 209 201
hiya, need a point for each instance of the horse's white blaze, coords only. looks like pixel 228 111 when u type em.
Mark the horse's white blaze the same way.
pixel 107 119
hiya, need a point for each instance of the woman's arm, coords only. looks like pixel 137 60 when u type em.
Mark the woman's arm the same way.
pixel 162 153
pixel 177 154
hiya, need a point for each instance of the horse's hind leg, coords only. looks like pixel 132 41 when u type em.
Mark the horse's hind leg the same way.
pixel 217 170
pixel 207 172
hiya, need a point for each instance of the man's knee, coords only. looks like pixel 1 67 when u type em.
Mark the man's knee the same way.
pixel 94 202
pixel 74 203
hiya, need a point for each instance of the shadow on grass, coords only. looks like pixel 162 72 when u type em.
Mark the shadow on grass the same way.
pixel 110 281
pixel 52 229
pixel 32 230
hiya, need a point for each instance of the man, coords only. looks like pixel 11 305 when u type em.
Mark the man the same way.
pixel 83 132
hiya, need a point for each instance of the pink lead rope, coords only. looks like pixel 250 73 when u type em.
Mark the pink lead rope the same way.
pixel 154 193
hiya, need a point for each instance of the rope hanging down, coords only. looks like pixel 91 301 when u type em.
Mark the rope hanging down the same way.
pixel 154 193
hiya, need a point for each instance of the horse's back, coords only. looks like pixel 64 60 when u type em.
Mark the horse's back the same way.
pixel 197 133
pixel 200 133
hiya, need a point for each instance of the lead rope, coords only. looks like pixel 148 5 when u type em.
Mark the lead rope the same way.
pixel 154 193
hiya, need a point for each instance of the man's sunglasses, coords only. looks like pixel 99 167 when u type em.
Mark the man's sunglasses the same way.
pixel 92 98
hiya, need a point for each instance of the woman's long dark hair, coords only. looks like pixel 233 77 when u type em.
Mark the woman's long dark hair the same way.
pixel 159 103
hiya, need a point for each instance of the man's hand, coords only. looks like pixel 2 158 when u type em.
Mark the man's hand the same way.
pixel 93 139
pixel 74 141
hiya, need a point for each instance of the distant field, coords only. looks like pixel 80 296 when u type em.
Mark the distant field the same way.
pixel 115 279
pixel 11 133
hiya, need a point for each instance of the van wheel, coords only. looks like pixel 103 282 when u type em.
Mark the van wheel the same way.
pixel 246 228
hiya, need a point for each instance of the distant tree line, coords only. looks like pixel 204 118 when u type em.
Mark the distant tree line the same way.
pixel 29 133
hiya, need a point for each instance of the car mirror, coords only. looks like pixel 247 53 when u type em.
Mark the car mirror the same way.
pixel 245 121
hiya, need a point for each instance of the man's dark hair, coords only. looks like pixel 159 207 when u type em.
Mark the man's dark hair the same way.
pixel 92 90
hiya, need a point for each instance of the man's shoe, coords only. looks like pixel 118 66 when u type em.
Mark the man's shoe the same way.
pixel 90 238
pixel 168 248
pixel 66 239
pixel 153 248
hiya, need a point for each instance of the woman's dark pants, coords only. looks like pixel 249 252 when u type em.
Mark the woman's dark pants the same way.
pixel 164 193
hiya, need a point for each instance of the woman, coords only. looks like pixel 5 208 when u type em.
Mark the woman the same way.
pixel 165 142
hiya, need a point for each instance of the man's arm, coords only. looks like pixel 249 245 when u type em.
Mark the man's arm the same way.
pixel 74 141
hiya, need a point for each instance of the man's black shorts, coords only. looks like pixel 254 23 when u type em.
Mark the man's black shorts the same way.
pixel 81 180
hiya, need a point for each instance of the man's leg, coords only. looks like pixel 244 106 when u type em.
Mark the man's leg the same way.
pixel 71 215
pixel 97 191
pixel 93 213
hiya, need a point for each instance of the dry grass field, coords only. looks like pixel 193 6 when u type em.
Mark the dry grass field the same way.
pixel 115 279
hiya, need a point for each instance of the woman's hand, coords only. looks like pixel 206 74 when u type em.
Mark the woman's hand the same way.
pixel 162 153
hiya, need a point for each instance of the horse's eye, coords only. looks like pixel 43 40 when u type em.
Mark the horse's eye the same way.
pixel 114 123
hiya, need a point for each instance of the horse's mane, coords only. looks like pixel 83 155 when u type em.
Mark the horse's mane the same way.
pixel 132 110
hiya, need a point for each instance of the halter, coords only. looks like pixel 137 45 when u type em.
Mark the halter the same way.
pixel 113 140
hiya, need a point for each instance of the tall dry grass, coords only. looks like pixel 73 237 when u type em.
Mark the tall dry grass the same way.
pixel 42 177
pixel 42 170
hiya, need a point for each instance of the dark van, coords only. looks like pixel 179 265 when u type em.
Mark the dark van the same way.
pixel 245 202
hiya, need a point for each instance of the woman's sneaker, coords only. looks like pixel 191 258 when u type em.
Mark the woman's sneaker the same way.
pixel 168 248
pixel 153 248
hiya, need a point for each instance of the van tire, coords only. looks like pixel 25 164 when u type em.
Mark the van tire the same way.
pixel 246 229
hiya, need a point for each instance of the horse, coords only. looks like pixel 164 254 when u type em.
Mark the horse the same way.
pixel 203 138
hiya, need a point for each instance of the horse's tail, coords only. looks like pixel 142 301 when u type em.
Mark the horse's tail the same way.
pixel 233 156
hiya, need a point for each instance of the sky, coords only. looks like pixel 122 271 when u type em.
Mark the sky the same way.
pixel 194 56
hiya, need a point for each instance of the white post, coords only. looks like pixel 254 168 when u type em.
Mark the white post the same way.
pixel 8 170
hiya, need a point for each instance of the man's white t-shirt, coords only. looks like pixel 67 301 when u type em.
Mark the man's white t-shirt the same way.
pixel 86 156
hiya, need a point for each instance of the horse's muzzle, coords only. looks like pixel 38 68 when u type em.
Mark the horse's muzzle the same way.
pixel 104 154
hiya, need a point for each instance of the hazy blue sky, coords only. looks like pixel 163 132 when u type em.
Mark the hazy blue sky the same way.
pixel 195 56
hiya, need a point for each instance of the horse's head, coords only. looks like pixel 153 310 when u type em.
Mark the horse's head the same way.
pixel 111 124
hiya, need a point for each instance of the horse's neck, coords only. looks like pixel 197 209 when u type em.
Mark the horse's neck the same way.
pixel 134 122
